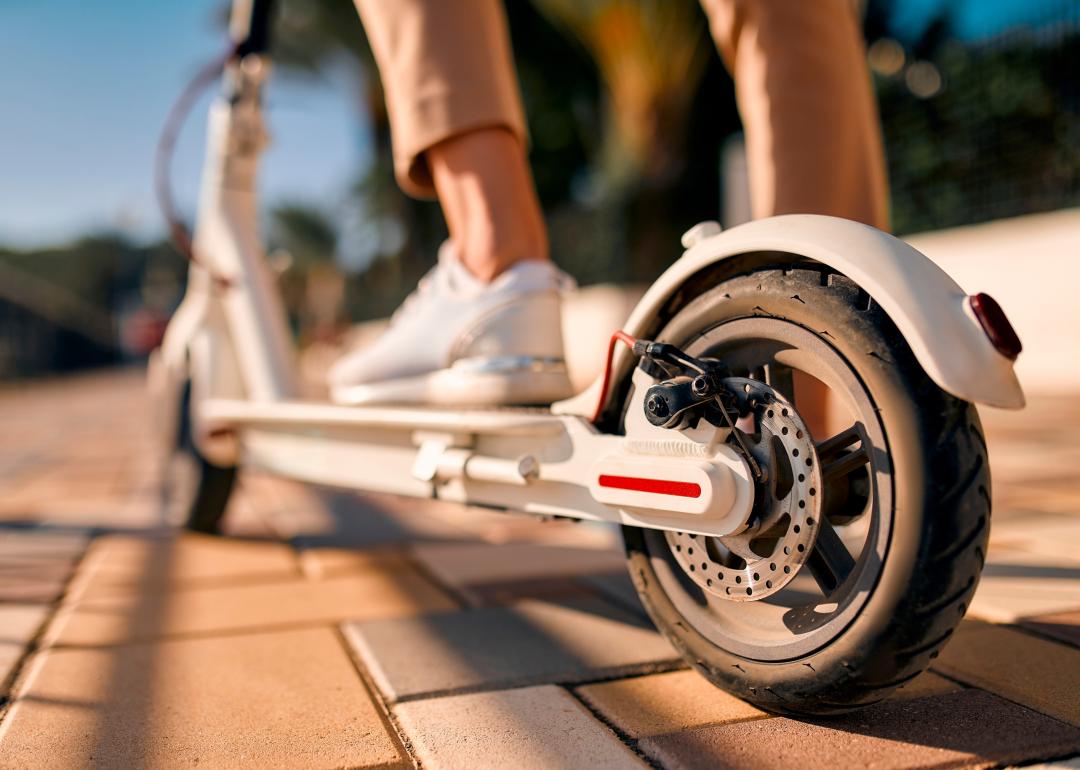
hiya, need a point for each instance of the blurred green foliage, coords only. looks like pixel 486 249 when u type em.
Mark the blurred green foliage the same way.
pixel 97 301
pixel 998 139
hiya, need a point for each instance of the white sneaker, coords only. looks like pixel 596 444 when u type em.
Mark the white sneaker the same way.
pixel 459 341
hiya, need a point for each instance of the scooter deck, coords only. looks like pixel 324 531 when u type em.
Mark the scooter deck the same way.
pixel 299 414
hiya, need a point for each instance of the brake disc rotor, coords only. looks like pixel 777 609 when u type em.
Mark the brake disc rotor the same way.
pixel 766 556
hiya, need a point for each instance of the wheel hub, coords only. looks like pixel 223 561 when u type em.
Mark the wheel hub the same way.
pixel 782 529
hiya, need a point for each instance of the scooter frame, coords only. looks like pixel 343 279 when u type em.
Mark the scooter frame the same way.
pixel 230 341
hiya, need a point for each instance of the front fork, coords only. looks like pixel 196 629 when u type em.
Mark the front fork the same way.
pixel 229 337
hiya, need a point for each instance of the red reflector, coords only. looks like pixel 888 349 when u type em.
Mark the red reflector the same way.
pixel 655 486
pixel 997 327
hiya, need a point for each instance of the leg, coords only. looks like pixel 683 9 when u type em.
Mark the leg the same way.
pixel 485 326
pixel 812 135
pixel 487 196
pixel 457 124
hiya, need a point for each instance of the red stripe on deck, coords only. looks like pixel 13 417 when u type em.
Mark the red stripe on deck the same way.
pixel 655 486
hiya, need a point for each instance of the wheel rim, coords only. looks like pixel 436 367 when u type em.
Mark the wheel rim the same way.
pixel 849 551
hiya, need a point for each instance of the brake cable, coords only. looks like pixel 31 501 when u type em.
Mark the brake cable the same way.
pixel 206 76
pixel 668 357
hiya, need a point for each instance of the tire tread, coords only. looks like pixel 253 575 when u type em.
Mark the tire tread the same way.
pixel 955 527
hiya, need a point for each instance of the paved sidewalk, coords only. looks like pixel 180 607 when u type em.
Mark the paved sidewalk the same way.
pixel 336 631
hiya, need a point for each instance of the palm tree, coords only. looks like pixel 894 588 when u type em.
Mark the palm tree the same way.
pixel 651 55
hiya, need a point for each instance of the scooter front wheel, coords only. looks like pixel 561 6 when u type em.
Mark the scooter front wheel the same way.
pixel 890 505
pixel 195 491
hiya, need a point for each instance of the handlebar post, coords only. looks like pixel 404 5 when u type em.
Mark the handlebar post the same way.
pixel 249 26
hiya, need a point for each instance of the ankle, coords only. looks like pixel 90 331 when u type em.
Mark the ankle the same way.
pixel 487 254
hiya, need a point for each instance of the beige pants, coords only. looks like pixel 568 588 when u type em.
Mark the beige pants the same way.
pixel 812 134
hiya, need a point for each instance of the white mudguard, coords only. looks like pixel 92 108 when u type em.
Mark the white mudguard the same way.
pixel 927 306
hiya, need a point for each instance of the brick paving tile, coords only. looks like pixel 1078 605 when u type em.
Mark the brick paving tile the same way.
pixel 1064 626
pixel 35 565
pixel 1036 673
pixel 924 685
pixel 286 699
pixel 574 534
pixel 112 512
pixel 970 728
pixel 43 583
pixel 534 727
pixel 531 642
pixel 680 700
pixel 285 507
pixel 345 519
pixel 1015 584
pixel 1048 534
pixel 485 573
pixel 18 625
pixel 130 617
pixel 1026 461
pixel 554 589
pixel 1054 496
pixel 618 587
pixel 464 564
pixel 246 521
pixel 35 545
pixel 481 524
pixel 664 703
pixel 326 562
pixel 118 565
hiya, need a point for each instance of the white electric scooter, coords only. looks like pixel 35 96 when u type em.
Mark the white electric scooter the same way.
pixel 808 574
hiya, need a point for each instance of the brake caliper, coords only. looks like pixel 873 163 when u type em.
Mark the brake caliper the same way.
pixel 689 388
pixel 692 389
pixel 766 553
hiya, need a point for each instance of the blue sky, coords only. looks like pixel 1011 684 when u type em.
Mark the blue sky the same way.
pixel 976 19
pixel 84 88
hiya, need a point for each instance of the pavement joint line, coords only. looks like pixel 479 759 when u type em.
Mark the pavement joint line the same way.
pixel 1004 697
pixel 661 668
pixel 456 594
pixel 627 741
pixel 627 672
pixel 461 594
pixel 194 635
pixel 1034 632
pixel 1041 635
pixel 24 677
pixel 1027 632
pixel 20 672
pixel 960 683
pixel 385 711
pixel 1019 625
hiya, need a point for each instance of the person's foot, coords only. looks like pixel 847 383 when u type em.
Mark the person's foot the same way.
pixel 462 342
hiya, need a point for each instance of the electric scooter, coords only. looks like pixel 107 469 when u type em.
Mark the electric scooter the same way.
pixel 806 573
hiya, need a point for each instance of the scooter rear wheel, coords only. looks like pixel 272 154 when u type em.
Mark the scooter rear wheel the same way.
pixel 195 490
pixel 904 507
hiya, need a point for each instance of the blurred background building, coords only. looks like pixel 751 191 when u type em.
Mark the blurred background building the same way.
pixel 634 133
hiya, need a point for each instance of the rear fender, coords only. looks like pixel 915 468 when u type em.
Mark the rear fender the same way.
pixel 927 306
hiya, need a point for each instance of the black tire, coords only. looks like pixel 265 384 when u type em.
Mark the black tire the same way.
pixel 935 528
pixel 202 489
